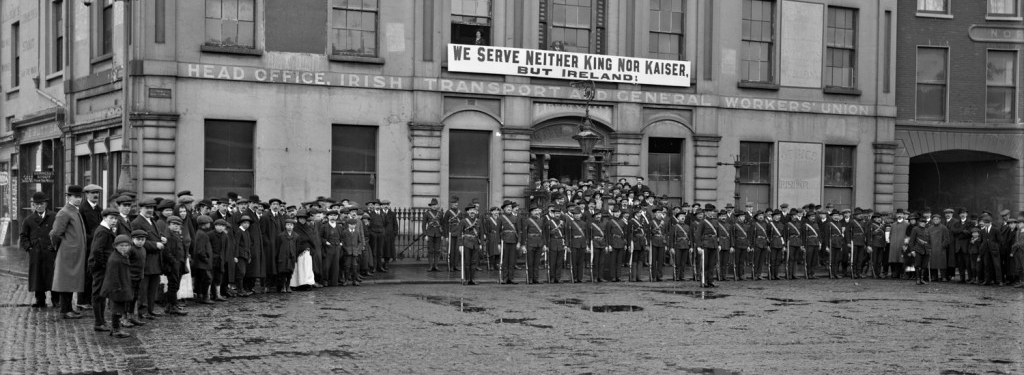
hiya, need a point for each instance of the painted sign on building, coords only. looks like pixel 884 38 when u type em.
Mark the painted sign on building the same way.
pixel 799 172
pixel 567 65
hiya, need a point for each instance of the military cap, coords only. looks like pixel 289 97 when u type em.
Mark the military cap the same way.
pixel 793 211
pixel 506 203
pixel 575 211
pixel 535 207
pixel 92 188
pixel 657 209
pixel 148 203
pixel 204 219
pixel 835 212
pixel 454 199
pixel 139 233
pixel 494 208
pixel 844 211
pixel 433 202
pixel 184 192
pixel 554 208
pixel 817 207
pixel 221 222
pixel 723 212
pixel 333 212
pixel 777 213
pixel 122 238
pixel 109 211
pixel 709 207
pixel 741 213
pixel 73 190
pixel 173 220
pixel 857 211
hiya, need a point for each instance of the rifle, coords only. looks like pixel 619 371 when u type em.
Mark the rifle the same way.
pixel 675 270
pixel 411 243
pixel 703 257
pixel 501 262
pixel 693 262
pixel 650 260
pixel 630 260
pixel 462 258
pixel 568 259
pixel 593 268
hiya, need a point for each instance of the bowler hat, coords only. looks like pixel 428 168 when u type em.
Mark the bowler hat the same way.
pixel 709 207
pixel 232 196
pixel 73 190
pixel 39 197
pixel 254 198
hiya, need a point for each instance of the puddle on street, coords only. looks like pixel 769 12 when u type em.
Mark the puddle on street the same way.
pixel 523 321
pixel 613 308
pixel 698 294
pixel 272 316
pixel 458 303
pixel 788 302
pixel 839 301
pixel 567 301
pixel 712 371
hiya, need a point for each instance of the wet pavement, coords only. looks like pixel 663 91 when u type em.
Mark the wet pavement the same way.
pixel 817 326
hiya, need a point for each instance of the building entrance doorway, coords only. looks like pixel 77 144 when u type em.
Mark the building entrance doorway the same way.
pixel 566 168
pixel 962 178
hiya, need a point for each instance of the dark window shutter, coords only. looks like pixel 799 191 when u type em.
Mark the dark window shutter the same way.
pixel 601 13
pixel 542 32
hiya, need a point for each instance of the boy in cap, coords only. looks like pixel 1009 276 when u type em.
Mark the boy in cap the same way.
pixel 243 253
pixel 154 246
pixel 174 264
pixel 117 283
pixel 224 260
pixel 137 258
pixel 287 254
pixel 99 253
pixel 202 259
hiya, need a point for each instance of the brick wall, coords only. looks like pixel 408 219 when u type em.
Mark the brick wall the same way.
pixel 966 58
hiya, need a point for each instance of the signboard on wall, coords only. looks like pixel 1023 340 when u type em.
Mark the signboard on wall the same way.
pixel 799 177
pixel 801 44
pixel 567 65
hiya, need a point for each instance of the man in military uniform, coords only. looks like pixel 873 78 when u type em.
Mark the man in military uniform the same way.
pixel 432 232
pixel 742 245
pixel 469 239
pixel 680 242
pixel 776 244
pixel 659 230
pixel 705 235
pixel 449 222
pixel 877 246
pixel 857 238
pixel 491 228
pixel 835 241
pixel 576 233
pixel 761 235
pixel 795 249
pixel 920 247
pixel 510 243
pixel 618 234
pixel 724 243
pixel 812 244
pixel 35 239
pixel 639 245
pixel 532 243
pixel 598 246
pixel 960 230
pixel 555 242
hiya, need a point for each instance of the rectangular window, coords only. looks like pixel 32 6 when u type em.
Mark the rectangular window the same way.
pixel 56 62
pixel 104 28
pixel 1002 8
pixel 755 173
pixel 841 48
pixel 469 164
pixel 839 176
pixel 471 22
pixel 573 25
pixel 354 27
pixel 15 54
pixel 758 41
pixel 667 29
pixel 931 83
pixel 665 167
pixel 1001 86
pixel 231 23
pixel 229 158
pixel 85 175
pixel 354 162
pixel 933 6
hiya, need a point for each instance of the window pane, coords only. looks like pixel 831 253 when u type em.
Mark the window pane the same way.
pixel 1000 69
pixel 999 105
pixel 931 102
pixel 931 64
pixel 357 187
pixel 840 198
pixel 756 194
pixel 213 34
pixel 931 5
pixel 229 31
pixel 245 33
pixel 213 9
pixel 219 183
pixel 354 148
pixel 229 144
pixel 468 189
pixel 230 10
pixel 469 153
pixel 1002 7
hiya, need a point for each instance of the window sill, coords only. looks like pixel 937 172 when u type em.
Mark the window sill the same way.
pixel 356 59
pixel 758 85
pixel 1004 18
pixel 935 15
pixel 231 50
pixel 101 58
pixel 13 90
pixel 842 91
pixel 53 76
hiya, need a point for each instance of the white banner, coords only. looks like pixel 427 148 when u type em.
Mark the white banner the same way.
pixel 567 65
pixel 799 173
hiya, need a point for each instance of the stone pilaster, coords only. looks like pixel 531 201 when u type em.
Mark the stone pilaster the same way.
pixel 627 156
pixel 426 162
pixel 516 155
pixel 885 167
pixel 156 169
pixel 706 168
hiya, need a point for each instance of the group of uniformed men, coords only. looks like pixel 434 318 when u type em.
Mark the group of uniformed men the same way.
pixel 716 245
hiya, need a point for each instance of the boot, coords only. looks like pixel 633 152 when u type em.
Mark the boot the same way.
pixel 204 299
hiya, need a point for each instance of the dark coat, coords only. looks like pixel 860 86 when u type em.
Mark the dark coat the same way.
pixel 91 217
pixel 35 239
pixel 330 238
pixel 117 279
pixel 202 251
pixel 352 242
pixel 154 258
pixel 432 223
pixel 287 252
pixel 174 254
pixel 100 249
pixel 257 257
pixel 270 227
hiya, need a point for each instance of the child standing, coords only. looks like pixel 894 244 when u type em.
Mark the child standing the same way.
pixel 118 284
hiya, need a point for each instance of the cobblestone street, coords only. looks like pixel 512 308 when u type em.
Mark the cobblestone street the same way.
pixel 816 326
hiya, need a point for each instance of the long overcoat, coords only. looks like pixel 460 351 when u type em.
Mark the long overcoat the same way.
pixel 68 236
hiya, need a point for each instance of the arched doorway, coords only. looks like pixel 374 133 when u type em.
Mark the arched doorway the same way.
pixel 555 154
pixel 975 180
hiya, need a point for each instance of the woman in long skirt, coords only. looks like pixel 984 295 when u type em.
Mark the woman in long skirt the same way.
pixel 303 274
